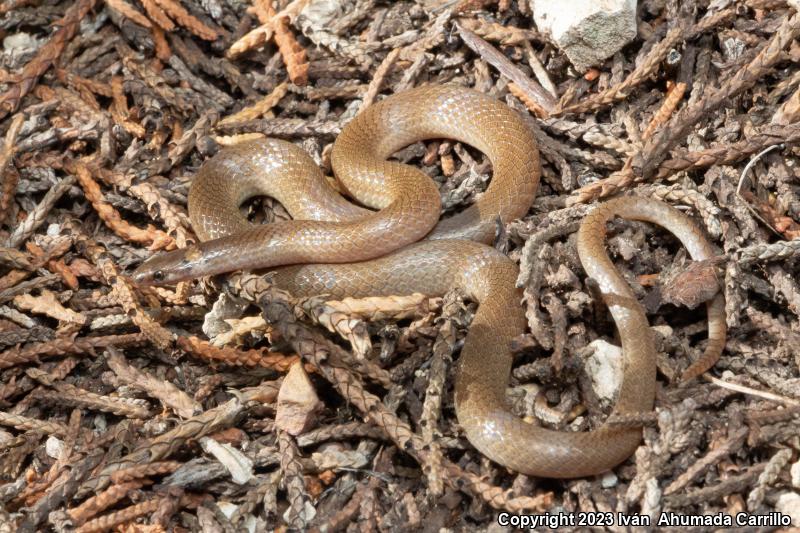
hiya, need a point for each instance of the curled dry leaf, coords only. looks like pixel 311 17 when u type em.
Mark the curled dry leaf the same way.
pixel 352 329
pixel 170 395
pixel 47 304
pixel 240 467
pixel 223 309
pixel 297 402
pixel 332 459
pixel 246 326
pixel 693 286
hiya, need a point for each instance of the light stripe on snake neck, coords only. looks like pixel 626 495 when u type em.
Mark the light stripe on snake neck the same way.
pixel 337 248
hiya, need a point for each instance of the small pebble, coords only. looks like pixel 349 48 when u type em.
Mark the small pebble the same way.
pixel 789 503
pixel 795 472
pixel 604 367
pixel 609 480
pixel 53 447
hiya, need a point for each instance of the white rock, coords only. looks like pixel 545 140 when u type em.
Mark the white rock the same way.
pixel 20 41
pixel 54 447
pixel 609 480
pixel 588 31
pixel 227 508
pixel 604 367
pixel 224 308
pixel 789 503
pixel 795 473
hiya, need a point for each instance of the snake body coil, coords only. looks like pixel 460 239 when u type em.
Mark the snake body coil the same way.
pixel 353 244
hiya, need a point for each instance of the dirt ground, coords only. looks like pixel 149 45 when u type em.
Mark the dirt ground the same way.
pixel 228 405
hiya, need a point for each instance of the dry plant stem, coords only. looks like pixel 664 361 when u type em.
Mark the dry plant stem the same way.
pixel 9 257
pixel 789 112
pixel 292 472
pixel 185 19
pixel 157 15
pixel 102 501
pixel 107 522
pixel 535 93
pixel 61 490
pixel 644 164
pixel 502 33
pixel 319 352
pixel 73 395
pixel 38 216
pixel 283 128
pixel 374 308
pixel 169 394
pixel 748 390
pixel 232 356
pixel 655 150
pixel 380 76
pixel 352 329
pixel 538 69
pixel 347 513
pixel 164 445
pixel 769 476
pixel 625 177
pixel 772 416
pixel 45 57
pixel 667 108
pixel 152 237
pixel 443 349
pixel 129 11
pixel 158 468
pixel 24 423
pixel 78 346
pixel 340 432
pixel 260 108
pixel 530 104
pixel 728 486
pixel 650 63
pixel 730 445
pixel 293 54
pixel 688 195
pixel 777 251
pixel 159 208
pixel 252 39
pixel 9 176
pixel 124 294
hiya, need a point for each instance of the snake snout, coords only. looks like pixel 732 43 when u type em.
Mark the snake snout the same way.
pixel 166 268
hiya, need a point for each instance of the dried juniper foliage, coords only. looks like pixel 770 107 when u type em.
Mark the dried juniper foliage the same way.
pixel 157 407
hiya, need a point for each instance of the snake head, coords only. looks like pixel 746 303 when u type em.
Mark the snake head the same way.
pixel 169 268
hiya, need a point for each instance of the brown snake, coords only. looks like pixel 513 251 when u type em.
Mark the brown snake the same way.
pixel 329 229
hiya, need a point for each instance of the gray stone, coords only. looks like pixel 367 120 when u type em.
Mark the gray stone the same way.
pixel 604 367
pixel 588 31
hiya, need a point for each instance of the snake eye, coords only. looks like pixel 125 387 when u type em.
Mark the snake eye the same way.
pixel 159 275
